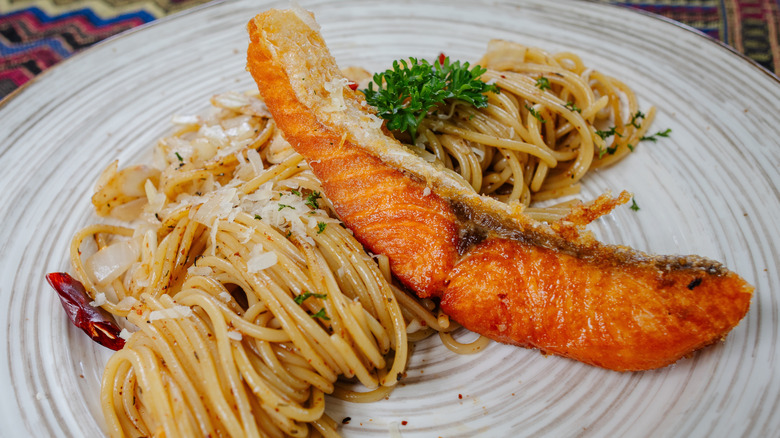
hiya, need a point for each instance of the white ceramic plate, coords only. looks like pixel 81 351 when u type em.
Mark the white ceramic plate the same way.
pixel 710 189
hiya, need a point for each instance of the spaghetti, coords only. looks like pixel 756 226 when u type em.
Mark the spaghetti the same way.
pixel 249 301
pixel 553 120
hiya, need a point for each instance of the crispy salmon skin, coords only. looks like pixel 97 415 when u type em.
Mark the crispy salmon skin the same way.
pixel 495 271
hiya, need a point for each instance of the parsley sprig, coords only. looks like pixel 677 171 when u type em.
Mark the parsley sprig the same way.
pixel 412 89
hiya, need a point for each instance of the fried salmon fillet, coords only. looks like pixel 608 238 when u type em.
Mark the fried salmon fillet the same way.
pixel 495 271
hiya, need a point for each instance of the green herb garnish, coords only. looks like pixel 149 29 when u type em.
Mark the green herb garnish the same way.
pixel 633 205
pixel 543 83
pixel 412 89
pixel 571 106
pixel 610 150
pixel 311 200
pixel 655 136
pixel 534 113
pixel 321 314
pixel 321 227
pixel 302 297
pixel 634 118
pixel 608 133
pixel 282 206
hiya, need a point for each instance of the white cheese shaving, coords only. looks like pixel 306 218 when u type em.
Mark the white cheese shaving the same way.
pixel 426 191
pixel 479 153
pixel 375 121
pixel 100 299
pixel 224 296
pixel 230 100
pixel 185 120
pixel 215 134
pixel 218 205
pixel 246 234
pixel 305 16
pixel 156 199
pixel 125 334
pixel 235 335
pixel 174 312
pixel 255 159
pixel 259 261
pixel 335 89
pixel 127 303
pixel 203 271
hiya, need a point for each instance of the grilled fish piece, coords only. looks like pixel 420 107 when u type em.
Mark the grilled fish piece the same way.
pixel 495 271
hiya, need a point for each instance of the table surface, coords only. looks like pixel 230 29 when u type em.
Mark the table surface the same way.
pixel 37 34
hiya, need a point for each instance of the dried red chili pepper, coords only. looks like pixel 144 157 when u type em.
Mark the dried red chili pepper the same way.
pixel 91 320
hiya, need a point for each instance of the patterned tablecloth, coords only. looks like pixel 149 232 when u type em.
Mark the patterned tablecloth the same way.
pixel 36 34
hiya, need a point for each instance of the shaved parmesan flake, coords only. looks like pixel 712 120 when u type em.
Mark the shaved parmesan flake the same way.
pixel 335 89
pixel 254 158
pixel 111 261
pixel 174 312
pixel 156 199
pixel 426 191
pixel 230 100
pixel 127 303
pixel 235 335
pixel 100 299
pixel 224 296
pixel 125 334
pixel 218 205
pixel 305 16
pixel 261 260
pixel 203 271
pixel 185 120
pixel 216 135
pixel 413 326
pixel 376 121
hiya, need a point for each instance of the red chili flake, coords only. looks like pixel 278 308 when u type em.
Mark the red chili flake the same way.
pixel 352 85
pixel 460 396
pixel 442 58
pixel 91 320
pixel 404 423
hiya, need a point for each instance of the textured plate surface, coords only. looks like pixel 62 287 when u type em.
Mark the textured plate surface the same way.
pixel 710 189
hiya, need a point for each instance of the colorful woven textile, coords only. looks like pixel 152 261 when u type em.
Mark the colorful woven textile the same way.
pixel 36 34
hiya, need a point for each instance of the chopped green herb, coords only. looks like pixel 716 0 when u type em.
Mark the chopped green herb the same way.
pixel 610 150
pixel 295 192
pixel 304 296
pixel 257 216
pixel 655 136
pixel 534 113
pixel 282 206
pixel 608 133
pixel 543 83
pixel 181 160
pixel 571 106
pixel 410 90
pixel 321 227
pixel 638 115
pixel 311 200
pixel 633 205
pixel 321 314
